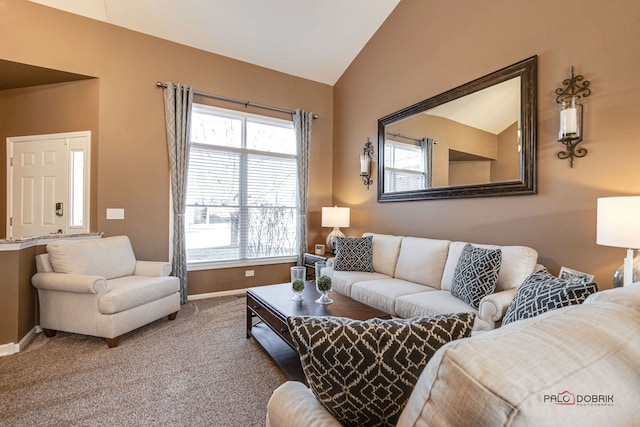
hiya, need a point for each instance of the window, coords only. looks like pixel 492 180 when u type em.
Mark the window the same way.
pixel 242 199
pixel 76 196
pixel 404 166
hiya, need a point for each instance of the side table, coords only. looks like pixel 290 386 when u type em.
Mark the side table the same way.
pixel 309 261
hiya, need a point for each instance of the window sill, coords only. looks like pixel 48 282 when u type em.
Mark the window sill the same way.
pixel 197 266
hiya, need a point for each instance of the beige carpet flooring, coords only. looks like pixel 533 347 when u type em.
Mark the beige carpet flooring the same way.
pixel 199 370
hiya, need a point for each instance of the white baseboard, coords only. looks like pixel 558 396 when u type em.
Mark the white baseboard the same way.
pixel 11 348
pixel 217 294
pixel 8 349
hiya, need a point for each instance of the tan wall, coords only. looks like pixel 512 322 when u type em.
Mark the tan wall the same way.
pixel 17 297
pixel 132 166
pixel 9 298
pixel 506 167
pixel 205 281
pixel 453 42
pixel 55 108
pixel 469 172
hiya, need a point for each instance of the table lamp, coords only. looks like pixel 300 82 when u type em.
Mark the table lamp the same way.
pixel 618 225
pixel 335 217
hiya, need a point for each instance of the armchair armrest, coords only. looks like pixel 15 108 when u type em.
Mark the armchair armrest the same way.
pixel 293 405
pixel 77 283
pixel 152 268
pixel 494 306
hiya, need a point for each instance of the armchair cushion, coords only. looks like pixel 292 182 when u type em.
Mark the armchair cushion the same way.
pixel 364 371
pixel 110 257
pixel 133 291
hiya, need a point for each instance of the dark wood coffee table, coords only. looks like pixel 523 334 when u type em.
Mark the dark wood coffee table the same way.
pixel 271 305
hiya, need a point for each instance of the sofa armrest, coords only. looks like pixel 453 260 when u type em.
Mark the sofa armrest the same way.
pixel 494 306
pixel 77 283
pixel 152 268
pixel 293 405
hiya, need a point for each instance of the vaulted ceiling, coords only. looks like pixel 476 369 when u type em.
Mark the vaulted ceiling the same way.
pixel 313 39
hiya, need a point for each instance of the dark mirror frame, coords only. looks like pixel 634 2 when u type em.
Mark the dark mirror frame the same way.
pixel 527 71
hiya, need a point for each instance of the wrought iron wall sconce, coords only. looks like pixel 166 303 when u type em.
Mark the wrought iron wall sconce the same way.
pixel 570 133
pixel 365 163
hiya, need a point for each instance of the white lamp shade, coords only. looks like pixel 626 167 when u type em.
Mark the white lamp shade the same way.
pixel 335 217
pixel 619 222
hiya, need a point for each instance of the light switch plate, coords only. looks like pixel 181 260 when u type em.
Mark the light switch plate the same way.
pixel 113 213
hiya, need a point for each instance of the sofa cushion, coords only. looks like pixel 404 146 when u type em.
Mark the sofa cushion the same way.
pixel 513 375
pixel 354 254
pixel 476 274
pixel 422 260
pixel 430 303
pixel 518 262
pixel 383 293
pixel 110 257
pixel 133 291
pixel 542 292
pixel 341 281
pixel 386 249
pixel 364 371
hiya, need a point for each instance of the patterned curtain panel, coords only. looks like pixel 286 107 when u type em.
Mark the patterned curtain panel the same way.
pixel 427 144
pixel 302 125
pixel 178 100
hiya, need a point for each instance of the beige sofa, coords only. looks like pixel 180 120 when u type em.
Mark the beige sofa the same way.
pixel 413 278
pixel 574 366
pixel 97 287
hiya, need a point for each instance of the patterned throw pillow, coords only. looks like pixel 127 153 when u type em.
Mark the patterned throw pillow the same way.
pixel 354 254
pixel 476 274
pixel 541 292
pixel 364 371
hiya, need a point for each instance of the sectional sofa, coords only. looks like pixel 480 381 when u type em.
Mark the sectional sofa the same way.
pixel 413 277
pixel 574 366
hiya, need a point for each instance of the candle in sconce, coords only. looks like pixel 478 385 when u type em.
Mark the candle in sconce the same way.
pixel 570 116
pixel 364 164
pixel 569 121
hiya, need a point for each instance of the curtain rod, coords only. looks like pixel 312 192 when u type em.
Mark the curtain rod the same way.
pixel 399 135
pixel 237 101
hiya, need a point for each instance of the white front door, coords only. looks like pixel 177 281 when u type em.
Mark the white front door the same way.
pixel 40 176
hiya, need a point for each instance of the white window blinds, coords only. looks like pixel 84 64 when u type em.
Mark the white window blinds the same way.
pixel 242 187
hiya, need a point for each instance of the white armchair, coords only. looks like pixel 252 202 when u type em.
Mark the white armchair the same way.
pixel 97 287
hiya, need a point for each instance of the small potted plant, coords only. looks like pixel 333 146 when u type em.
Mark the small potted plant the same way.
pixel 297 282
pixel 323 286
pixel 297 286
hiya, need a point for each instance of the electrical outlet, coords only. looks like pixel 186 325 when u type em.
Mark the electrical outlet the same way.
pixel 249 273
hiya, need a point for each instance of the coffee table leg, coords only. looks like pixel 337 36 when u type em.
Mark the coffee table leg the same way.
pixel 249 320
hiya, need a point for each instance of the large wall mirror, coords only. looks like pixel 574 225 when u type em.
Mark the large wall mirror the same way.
pixel 478 139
